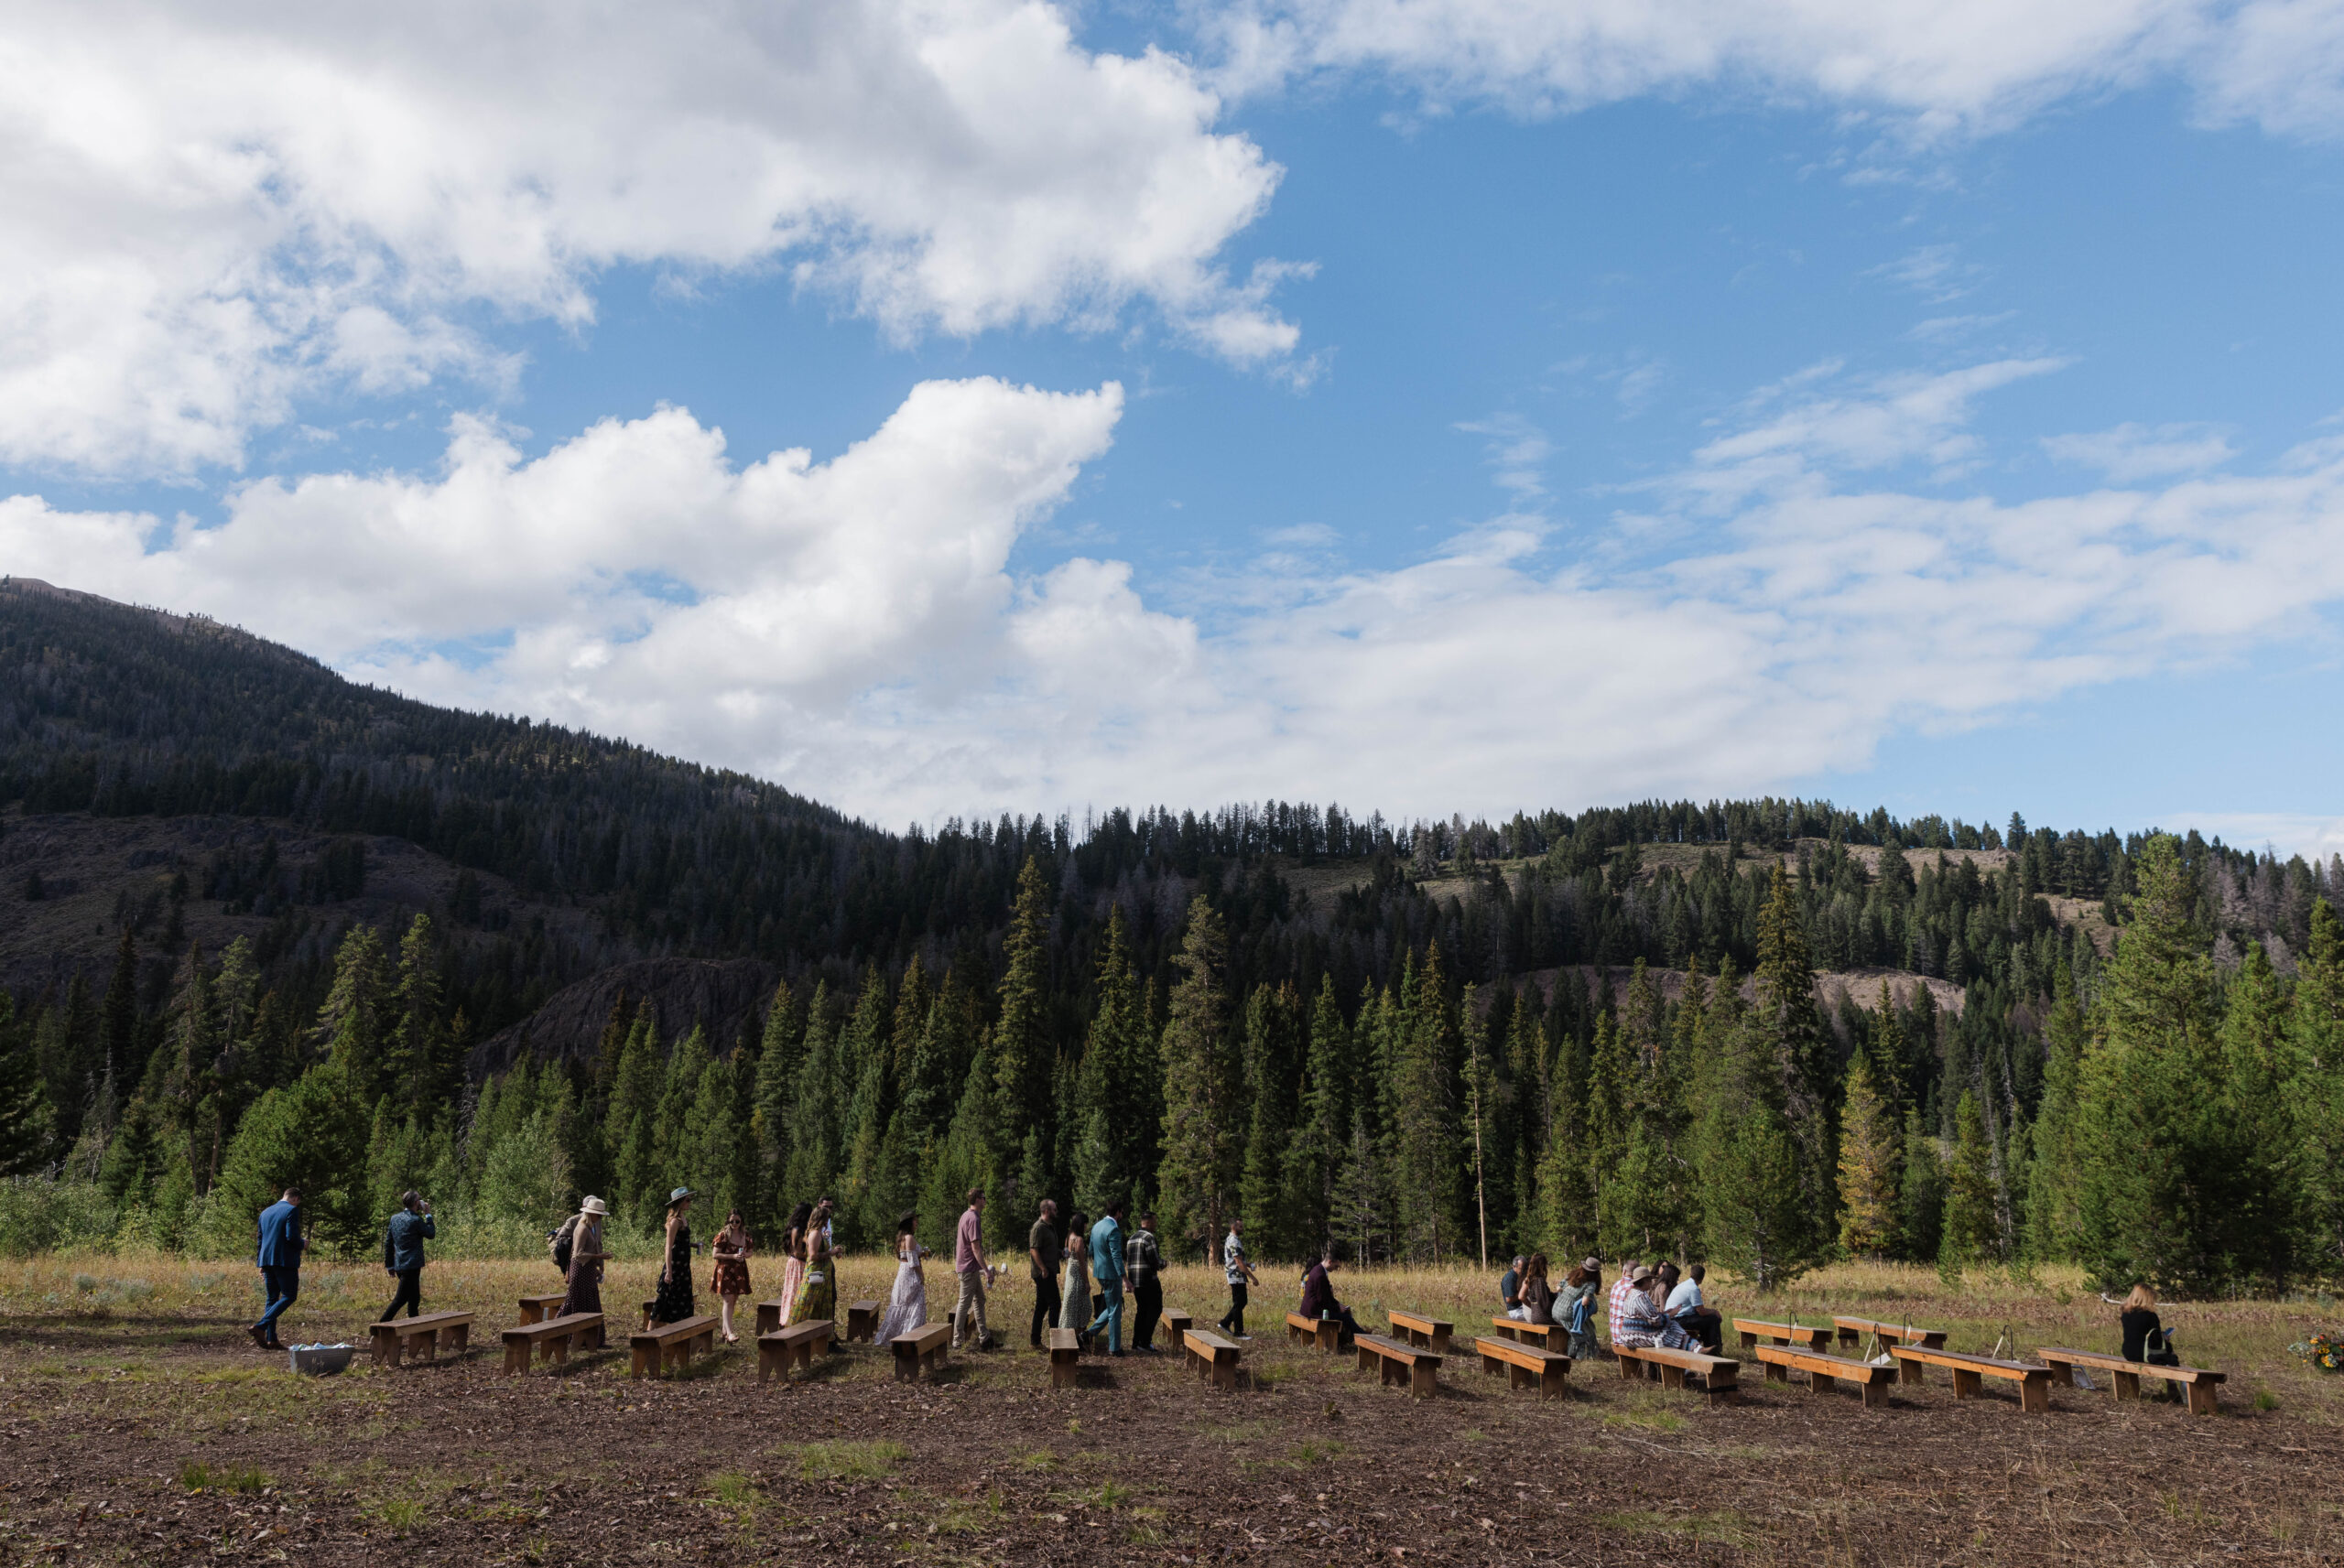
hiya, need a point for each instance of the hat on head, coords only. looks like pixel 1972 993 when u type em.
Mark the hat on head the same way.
pixel 592 1206
pixel 679 1195
pixel 1590 1264
pixel 1643 1271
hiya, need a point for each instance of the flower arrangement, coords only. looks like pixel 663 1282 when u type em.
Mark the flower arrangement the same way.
pixel 2324 1351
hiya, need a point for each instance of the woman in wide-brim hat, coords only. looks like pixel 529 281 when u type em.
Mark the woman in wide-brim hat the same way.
pixel 586 1259
pixel 674 1302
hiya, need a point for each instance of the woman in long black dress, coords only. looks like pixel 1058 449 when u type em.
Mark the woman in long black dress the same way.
pixel 674 1302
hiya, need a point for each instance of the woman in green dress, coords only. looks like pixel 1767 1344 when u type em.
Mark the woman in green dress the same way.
pixel 818 1297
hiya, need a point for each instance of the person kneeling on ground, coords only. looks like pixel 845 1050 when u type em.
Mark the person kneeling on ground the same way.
pixel 1318 1295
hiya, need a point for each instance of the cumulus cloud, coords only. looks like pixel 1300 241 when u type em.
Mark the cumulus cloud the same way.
pixel 859 627
pixel 1938 66
pixel 214 211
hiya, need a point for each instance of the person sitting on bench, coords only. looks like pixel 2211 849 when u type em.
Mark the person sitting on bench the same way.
pixel 2146 1339
pixel 1685 1305
pixel 1642 1322
pixel 1510 1287
pixel 1537 1297
pixel 1318 1295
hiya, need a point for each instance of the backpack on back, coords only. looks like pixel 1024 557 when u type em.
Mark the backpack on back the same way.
pixel 558 1241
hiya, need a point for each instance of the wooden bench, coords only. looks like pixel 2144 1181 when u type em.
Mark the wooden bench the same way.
pixel 862 1319
pixel 1719 1374
pixel 555 1336
pixel 536 1309
pixel 391 1338
pixel 1397 1361
pixel 1826 1372
pixel 2033 1380
pixel 1066 1355
pixel 1211 1354
pixel 1428 1332
pixel 667 1345
pixel 1174 1324
pixel 769 1317
pixel 1853 1329
pixel 2197 1381
pixel 1327 1333
pixel 926 1348
pixel 795 1345
pixel 1526 1366
pixel 1554 1336
pixel 1754 1329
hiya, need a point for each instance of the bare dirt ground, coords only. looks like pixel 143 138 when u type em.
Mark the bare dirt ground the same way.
pixel 138 1426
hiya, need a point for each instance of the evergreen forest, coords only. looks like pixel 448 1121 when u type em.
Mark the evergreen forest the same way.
pixel 1593 1032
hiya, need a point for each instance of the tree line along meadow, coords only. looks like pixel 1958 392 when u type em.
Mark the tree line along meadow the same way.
pixel 2172 1111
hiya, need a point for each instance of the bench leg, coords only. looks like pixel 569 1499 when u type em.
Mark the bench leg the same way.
pixel 1823 1383
pixel 516 1360
pixel 1224 1372
pixel 1550 1383
pixel 1875 1393
pixel 1422 1380
pixel 1725 1394
pixel 1672 1376
pixel 1908 1371
pixel 1966 1384
pixel 1776 1373
pixel 2035 1394
pixel 2063 1374
pixel 1749 1340
pixel 557 1351
pixel 2128 1385
pixel 643 1360
pixel 2202 1398
pixel 1520 1377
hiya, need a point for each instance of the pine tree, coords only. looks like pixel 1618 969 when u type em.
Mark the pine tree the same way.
pixel 1271 1057
pixel 1920 1194
pixel 354 1021
pixel 1794 1033
pixel 1970 1234
pixel 2315 1085
pixel 2263 1228
pixel 1871 1158
pixel 1024 1053
pixel 312 1135
pixel 119 1017
pixel 1315 1154
pixel 1195 1183
pixel 2159 1163
pixel 1427 1148
pixel 2053 1221
pixel 1110 1145
pixel 777 1065
pixel 417 1060
pixel 27 1125
pixel 866 1062
pixel 813 1131
pixel 628 1127
pixel 1761 1220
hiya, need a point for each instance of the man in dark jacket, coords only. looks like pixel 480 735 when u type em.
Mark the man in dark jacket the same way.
pixel 1044 1249
pixel 1142 1257
pixel 1318 1295
pixel 403 1254
pixel 279 1257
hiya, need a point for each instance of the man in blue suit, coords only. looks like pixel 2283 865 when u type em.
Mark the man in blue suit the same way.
pixel 280 1264
pixel 1107 1272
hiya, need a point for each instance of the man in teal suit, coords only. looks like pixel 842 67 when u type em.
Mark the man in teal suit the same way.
pixel 280 1264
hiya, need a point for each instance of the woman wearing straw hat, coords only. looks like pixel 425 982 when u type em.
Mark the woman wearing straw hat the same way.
pixel 586 1259
pixel 674 1302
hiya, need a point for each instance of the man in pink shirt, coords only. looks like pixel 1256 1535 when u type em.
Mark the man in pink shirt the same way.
pixel 969 1262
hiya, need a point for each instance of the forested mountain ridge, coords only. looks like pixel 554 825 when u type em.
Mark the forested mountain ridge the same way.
pixel 1317 1020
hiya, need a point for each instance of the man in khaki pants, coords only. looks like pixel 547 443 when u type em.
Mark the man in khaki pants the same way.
pixel 969 1262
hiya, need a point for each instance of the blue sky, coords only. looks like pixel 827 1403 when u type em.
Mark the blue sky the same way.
pixel 1371 412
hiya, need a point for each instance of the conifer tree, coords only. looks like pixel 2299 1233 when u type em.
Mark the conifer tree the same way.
pixel 2263 1230
pixel 1920 1194
pixel 2315 1085
pixel 1271 1057
pixel 119 1017
pixel 1110 1146
pixel 2160 1164
pixel 812 1138
pixel 1970 1234
pixel 1314 1158
pixel 777 1071
pixel 26 1122
pixel 628 1128
pixel 1195 1184
pixel 1426 1146
pixel 312 1135
pixel 866 1062
pixel 1761 1220
pixel 1022 1051
pixel 354 1021
pixel 2053 1221
pixel 1871 1158
pixel 1794 1033
pixel 418 1057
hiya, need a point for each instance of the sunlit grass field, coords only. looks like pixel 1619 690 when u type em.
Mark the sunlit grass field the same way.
pixel 178 1299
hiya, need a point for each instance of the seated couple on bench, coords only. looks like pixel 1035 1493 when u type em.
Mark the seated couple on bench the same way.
pixel 1318 1295
pixel 1644 1324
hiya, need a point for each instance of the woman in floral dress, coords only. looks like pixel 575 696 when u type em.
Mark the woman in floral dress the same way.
pixel 729 1278
pixel 674 1302
pixel 907 1308
pixel 819 1296
pixel 793 1260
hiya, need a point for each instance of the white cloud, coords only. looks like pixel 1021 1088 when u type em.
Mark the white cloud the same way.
pixel 1936 65
pixel 214 211
pixel 856 627
pixel 2133 452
